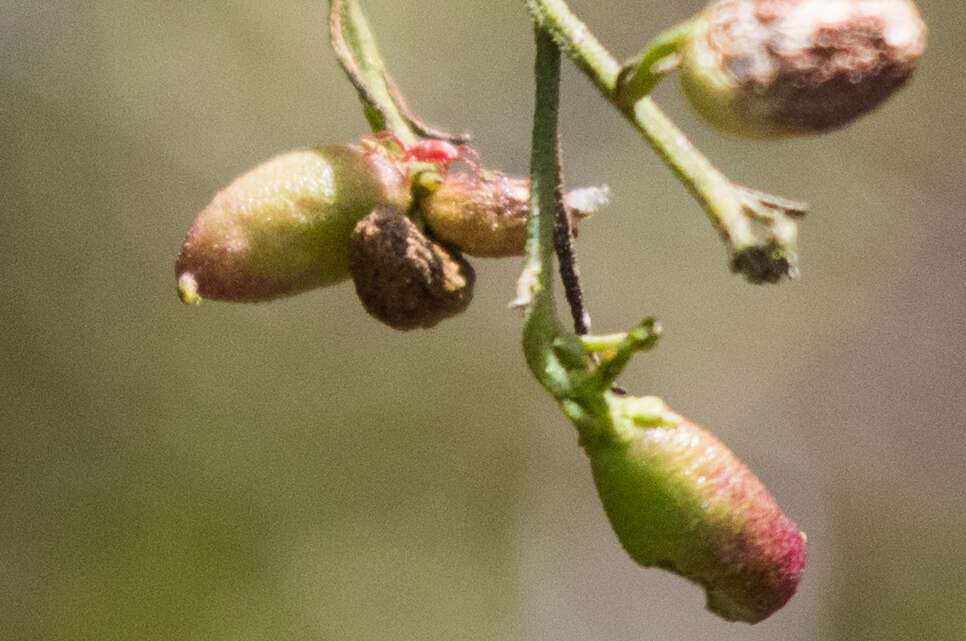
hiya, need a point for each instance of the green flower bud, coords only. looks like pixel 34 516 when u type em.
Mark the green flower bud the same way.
pixel 484 213
pixel 284 227
pixel 680 500
pixel 769 68
pixel 403 278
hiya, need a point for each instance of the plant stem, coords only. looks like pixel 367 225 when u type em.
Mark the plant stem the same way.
pixel 568 366
pixel 383 102
pixel 640 74
pixel 356 49
pixel 576 41
pixel 742 219
pixel 563 244
pixel 541 327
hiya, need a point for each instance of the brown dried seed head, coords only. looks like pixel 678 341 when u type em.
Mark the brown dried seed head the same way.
pixel 403 278
pixel 764 68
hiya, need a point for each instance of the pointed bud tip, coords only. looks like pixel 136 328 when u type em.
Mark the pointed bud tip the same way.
pixel 188 289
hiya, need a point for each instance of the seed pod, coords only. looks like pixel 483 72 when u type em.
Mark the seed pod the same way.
pixel 403 278
pixel 769 68
pixel 283 227
pixel 484 213
pixel 680 500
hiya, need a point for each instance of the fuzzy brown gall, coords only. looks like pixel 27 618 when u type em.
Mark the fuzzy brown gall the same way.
pixel 768 68
pixel 403 278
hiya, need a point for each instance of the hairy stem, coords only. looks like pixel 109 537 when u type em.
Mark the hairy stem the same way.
pixel 541 327
pixel 577 371
pixel 355 47
pixel 744 221
pixel 385 106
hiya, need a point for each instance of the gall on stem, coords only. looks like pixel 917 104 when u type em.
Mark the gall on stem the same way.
pixel 774 68
pixel 680 500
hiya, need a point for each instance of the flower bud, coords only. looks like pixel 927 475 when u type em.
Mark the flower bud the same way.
pixel 484 213
pixel 768 68
pixel 680 500
pixel 283 227
pixel 403 278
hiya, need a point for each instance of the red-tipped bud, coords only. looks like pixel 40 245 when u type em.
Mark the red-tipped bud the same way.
pixel 680 500
pixel 403 278
pixel 766 68
pixel 284 227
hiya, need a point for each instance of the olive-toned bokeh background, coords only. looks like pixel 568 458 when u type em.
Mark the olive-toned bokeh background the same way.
pixel 296 470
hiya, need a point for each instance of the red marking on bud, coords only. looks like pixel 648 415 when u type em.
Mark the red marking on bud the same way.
pixel 432 150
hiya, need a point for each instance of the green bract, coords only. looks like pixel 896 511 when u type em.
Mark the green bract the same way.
pixel 768 68
pixel 680 500
pixel 284 227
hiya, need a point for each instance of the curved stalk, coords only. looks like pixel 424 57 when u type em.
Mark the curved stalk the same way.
pixel 383 102
pixel 759 233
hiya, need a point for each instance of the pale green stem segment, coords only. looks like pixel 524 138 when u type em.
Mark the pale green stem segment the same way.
pixel 560 360
pixel 541 327
pixel 757 231
pixel 355 47
pixel 384 105
pixel 640 74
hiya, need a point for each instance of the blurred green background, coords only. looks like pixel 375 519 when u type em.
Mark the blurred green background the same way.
pixel 296 470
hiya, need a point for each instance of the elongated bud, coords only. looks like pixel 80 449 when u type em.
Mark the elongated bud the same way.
pixel 403 278
pixel 680 500
pixel 484 213
pixel 767 68
pixel 284 227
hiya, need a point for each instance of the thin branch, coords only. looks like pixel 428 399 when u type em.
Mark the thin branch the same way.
pixel 385 107
pixel 761 239
pixel 541 327
pixel 563 243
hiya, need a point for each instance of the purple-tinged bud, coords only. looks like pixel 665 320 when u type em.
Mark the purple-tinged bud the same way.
pixel 403 278
pixel 484 212
pixel 284 227
pixel 680 500
pixel 769 68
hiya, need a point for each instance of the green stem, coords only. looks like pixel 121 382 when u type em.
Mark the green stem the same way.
pixel 744 222
pixel 356 49
pixel 576 41
pixel 560 360
pixel 541 327
pixel 641 73
pixel 384 105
